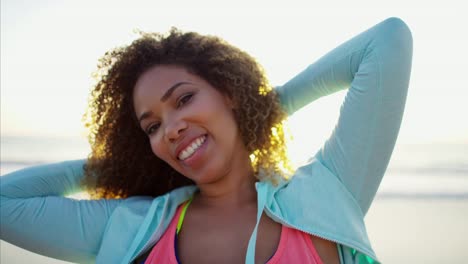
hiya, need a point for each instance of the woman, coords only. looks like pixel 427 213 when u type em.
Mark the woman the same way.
pixel 173 139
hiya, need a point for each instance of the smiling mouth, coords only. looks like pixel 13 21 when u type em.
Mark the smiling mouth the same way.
pixel 192 148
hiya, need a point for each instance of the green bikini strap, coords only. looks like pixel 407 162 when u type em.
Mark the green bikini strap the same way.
pixel 182 215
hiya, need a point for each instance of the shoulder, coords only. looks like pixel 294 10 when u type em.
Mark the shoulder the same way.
pixel 140 220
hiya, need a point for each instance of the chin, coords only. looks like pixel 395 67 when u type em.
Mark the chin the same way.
pixel 206 177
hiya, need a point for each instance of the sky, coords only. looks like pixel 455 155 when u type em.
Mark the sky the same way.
pixel 49 50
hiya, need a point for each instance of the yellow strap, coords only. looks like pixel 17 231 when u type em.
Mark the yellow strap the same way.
pixel 182 215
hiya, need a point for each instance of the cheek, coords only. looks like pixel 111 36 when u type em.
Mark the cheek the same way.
pixel 158 149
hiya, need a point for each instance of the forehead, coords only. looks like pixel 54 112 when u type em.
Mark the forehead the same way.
pixel 159 78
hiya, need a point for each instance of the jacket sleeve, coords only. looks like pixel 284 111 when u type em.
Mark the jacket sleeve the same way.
pixel 35 216
pixel 375 66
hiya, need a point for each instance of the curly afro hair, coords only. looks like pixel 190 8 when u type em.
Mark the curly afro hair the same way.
pixel 122 164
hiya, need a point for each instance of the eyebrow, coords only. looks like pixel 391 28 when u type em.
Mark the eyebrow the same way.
pixel 164 98
pixel 169 91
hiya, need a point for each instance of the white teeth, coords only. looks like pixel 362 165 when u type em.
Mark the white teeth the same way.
pixel 188 151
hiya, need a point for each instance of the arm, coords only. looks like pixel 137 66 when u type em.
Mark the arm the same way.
pixel 34 216
pixel 375 66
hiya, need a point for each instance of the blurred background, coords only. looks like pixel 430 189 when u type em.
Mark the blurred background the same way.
pixel 49 50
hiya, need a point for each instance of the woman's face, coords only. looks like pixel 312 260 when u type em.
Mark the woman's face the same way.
pixel 190 124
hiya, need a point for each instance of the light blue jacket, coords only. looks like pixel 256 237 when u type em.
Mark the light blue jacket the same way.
pixel 327 197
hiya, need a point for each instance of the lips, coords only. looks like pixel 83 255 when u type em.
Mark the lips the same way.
pixel 189 147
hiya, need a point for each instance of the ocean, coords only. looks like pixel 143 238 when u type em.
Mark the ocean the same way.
pixel 416 171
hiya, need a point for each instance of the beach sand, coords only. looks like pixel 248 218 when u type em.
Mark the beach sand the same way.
pixel 401 231
pixel 419 231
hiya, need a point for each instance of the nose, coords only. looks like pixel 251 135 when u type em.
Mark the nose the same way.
pixel 175 129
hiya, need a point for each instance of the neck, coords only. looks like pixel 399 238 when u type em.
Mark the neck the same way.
pixel 236 188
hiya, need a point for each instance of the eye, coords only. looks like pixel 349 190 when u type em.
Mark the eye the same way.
pixel 184 99
pixel 151 129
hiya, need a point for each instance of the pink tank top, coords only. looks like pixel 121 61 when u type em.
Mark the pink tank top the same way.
pixel 294 246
